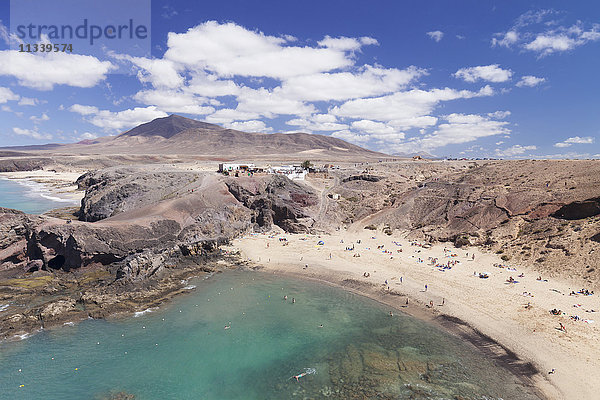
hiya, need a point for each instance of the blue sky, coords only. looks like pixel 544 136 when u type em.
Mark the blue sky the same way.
pixel 508 79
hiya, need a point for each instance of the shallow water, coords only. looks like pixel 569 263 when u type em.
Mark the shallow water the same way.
pixel 30 197
pixel 182 350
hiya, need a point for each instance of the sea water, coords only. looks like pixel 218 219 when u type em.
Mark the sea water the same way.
pixel 234 336
pixel 30 197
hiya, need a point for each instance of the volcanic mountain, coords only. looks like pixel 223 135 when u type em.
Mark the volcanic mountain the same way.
pixel 179 135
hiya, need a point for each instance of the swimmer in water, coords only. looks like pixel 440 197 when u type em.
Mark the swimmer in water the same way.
pixel 300 376
pixel 285 297
pixel 293 300
pixel 227 326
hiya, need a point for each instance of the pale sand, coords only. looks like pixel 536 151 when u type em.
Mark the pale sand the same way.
pixel 491 306
pixel 60 184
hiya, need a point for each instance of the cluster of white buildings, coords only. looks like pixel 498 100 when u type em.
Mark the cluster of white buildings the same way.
pixel 294 172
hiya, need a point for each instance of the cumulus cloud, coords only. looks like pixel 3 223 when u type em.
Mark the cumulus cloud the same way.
pixel 515 150
pixel 116 121
pixel 318 122
pixel 4 35
pixel 463 128
pixel 88 136
pixel 490 73
pixel 368 81
pixel 404 110
pixel 499 114
pixel 43 71
pixel 27 101
pixel 174 101
pixel 506 39
pixel 41 118
pixel 232 50
pixel 531 33
pixel 436 35
pixel 345 43
pixel 32 134
pixel 530 81
pixel 575 140
pixel 351 137
pixel 7 95
pixel 249 126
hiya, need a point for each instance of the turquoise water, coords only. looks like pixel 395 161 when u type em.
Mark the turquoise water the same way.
pixel 182 350
pixel 29 197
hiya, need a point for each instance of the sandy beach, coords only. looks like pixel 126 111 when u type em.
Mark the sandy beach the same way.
pixel 516 315
pixel 59 185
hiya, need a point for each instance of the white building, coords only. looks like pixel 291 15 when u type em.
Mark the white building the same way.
pixel 235 167
pixel 293 172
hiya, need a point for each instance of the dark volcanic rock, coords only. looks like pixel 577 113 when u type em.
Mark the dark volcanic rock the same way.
pixel 579 209
pixel 25 164
pixel 276 200
pixel 115 190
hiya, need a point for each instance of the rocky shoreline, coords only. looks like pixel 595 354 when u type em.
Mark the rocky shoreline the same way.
pixel 154 230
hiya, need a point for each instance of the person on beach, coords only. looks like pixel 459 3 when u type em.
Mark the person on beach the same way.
pixel 425 287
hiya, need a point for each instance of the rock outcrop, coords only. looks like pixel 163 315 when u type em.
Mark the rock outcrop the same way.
pixel 114 190
pixel 276 200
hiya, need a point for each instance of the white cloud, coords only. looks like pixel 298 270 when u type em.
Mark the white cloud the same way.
pixel 575 140
pixel 45 70
pixel 404 110
pixel 7 95
pixel 490 73
pixel 227 115
pixel 174 101
pixel 249 126
pixel 211 86
pixel 377 129
pixel 530 81
pixel 41 118
pixel 114 121
pixel 270 103
pixel 318 122
pixel 367 82
pixel 499 114
pixel 351 137
pixel 463 128
pixel 514 150
pixel 160 73
pixel 32 133
pixel 88 136
pixel 530 32
pixel 436 35
pixel 345 43
pixel 505 39
pixel 232 50
pixel 28 101
pixel 549 43
pixel 4 35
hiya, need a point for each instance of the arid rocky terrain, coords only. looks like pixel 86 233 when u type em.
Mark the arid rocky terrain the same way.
pixel 149 222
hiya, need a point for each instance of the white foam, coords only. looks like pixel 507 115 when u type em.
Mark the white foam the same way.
pixel 3 307
pixel 146 311
pixel 69 323
pixel 22 337
pixel 37 189
pixel 190 287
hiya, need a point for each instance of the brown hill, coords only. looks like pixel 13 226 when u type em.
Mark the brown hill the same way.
pixel 176 135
